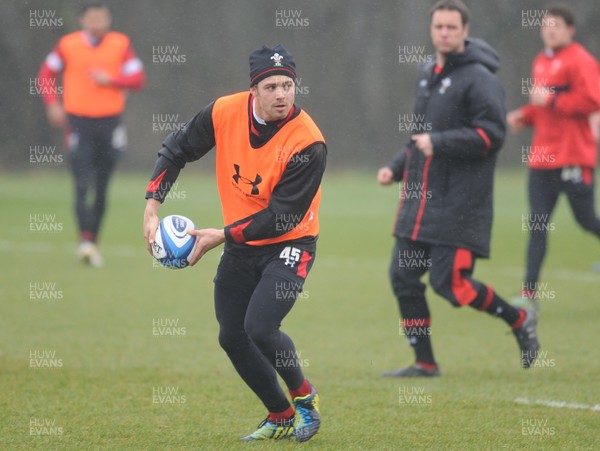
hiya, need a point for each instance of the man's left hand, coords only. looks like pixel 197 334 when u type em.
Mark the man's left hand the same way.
pixel 206 239
pixel 423 143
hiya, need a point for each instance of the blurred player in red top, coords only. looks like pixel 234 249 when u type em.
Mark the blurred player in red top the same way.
pixel 563 155
pixel 97 66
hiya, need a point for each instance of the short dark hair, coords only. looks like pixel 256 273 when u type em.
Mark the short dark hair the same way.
pixel 92 4
pixel 451 5
pixel 563 11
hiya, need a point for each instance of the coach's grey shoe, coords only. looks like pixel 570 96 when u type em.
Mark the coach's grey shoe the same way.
pixel 527 338
pixel 416 370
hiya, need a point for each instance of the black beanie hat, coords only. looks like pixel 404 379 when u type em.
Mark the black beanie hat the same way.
pixel 265 62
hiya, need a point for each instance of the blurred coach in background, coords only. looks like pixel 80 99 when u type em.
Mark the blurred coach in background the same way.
pixel 445 217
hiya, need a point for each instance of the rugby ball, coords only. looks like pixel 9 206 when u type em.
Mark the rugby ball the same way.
pixel 173 247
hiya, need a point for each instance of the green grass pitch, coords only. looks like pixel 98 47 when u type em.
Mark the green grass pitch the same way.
pixel 116 384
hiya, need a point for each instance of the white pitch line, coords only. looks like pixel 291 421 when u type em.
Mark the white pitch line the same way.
pixel 558 404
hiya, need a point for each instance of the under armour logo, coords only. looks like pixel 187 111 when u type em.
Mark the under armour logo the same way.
pixel 237 177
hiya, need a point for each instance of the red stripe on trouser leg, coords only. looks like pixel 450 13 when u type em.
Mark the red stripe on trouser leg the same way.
pixel 462 289
pixel 488 298
pixel 304 259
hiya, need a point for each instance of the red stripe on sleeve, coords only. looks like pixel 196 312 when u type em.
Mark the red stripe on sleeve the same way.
pixel 134 81
pixel 485 138
pixel 47 84
pixel 237 232
pixel 130 80
pixel 154 184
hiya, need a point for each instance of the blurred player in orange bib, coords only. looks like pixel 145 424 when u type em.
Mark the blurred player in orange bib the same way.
pixel 98 65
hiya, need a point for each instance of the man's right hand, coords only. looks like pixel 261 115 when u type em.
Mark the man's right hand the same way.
pixel 151 222
pixel 515 120
pixel 56 115
pixel 385 176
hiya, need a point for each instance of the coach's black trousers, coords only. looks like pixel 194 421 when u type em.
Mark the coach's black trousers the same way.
pixel 544 188
pixel 95 145
pixel 450 275
pixel 253 293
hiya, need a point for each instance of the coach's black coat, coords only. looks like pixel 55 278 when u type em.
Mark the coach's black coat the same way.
pixel 448 198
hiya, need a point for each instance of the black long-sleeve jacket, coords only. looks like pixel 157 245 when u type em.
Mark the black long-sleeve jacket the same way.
pixel 447 199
